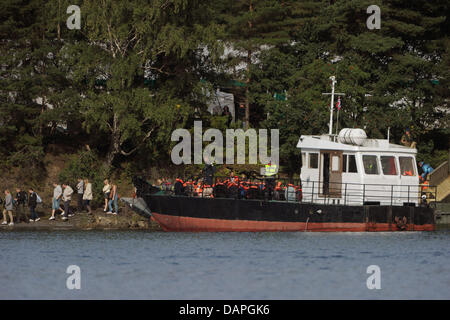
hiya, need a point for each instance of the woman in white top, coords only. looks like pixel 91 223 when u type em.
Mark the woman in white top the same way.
pixel 87 195
pixel 106 193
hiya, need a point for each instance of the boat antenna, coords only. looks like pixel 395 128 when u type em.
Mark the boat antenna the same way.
pixel 333 83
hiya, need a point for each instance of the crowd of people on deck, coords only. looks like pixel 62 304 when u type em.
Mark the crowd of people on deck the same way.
pixel 63 194
pixel 233 187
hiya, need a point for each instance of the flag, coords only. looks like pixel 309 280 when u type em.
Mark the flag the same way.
pixel 338 104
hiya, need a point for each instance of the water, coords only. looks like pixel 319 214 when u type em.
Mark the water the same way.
pixel 158 265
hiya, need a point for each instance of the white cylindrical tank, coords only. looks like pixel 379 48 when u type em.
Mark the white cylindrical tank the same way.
pixel 352 136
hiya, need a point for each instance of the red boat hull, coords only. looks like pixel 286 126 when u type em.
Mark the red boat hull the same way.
pixel 192 224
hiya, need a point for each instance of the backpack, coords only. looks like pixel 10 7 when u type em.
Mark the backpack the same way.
pixel 38 199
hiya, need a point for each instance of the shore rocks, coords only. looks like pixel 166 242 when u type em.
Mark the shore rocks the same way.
pixel 98 220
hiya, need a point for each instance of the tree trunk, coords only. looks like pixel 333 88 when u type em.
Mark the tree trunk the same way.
pixel 114 146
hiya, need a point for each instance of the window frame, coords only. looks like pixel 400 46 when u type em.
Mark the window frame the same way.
pixel 345 160
pixel 377 161
pixel 395 164
pixel 415 174
pixel 309 160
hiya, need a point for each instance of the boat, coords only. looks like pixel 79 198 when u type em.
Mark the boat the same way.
pixel 344 187
pixel 348 183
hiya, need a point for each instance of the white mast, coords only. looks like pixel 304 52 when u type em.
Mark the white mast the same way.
pixel 333 82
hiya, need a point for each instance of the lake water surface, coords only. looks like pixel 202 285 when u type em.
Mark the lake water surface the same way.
pixel 158 265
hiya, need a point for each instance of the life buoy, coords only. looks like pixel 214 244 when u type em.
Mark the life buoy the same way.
pixel 402 223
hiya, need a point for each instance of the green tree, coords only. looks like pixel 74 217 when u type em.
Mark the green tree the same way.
pixel 251 27
pixel 128 46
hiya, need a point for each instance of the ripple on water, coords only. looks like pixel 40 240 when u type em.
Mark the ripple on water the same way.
pixel 224 265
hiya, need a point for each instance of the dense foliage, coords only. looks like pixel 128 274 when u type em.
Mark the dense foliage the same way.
pixel 138 69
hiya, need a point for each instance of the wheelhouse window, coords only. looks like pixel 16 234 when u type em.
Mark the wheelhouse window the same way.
pixel 370 164
pixel 314 160
pixel 304 163
pixel 349 163
pixel 388 165
pixel 407 166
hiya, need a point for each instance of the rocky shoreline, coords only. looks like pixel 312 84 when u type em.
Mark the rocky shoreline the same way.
pixel 98 220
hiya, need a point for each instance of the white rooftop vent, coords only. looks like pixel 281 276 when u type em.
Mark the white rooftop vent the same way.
pixel 352 136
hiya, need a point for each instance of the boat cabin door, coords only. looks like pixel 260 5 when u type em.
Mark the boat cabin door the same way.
pixel 330 173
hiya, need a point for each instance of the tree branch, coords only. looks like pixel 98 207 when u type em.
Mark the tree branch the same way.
pixel 143 140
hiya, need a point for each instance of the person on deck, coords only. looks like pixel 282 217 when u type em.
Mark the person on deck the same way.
pixel 407 139
pixel 208 173
pixel 179 187
pixel 426 168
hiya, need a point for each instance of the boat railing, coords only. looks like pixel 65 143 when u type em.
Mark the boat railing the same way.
pixel 293 190
pixel 368 194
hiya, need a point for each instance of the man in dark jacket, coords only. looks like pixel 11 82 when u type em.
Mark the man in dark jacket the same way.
pixel 21 199
pixel 179 188
pixel 208 173
pixel 32 203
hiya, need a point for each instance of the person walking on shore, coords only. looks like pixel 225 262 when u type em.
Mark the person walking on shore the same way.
pixel 32 203
pixel 56 200
pixel 8 208
pixel 106 193
pixel 113 199
pixel 21 200
pixel 80 192
pixel 67 197
pixel 87 195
